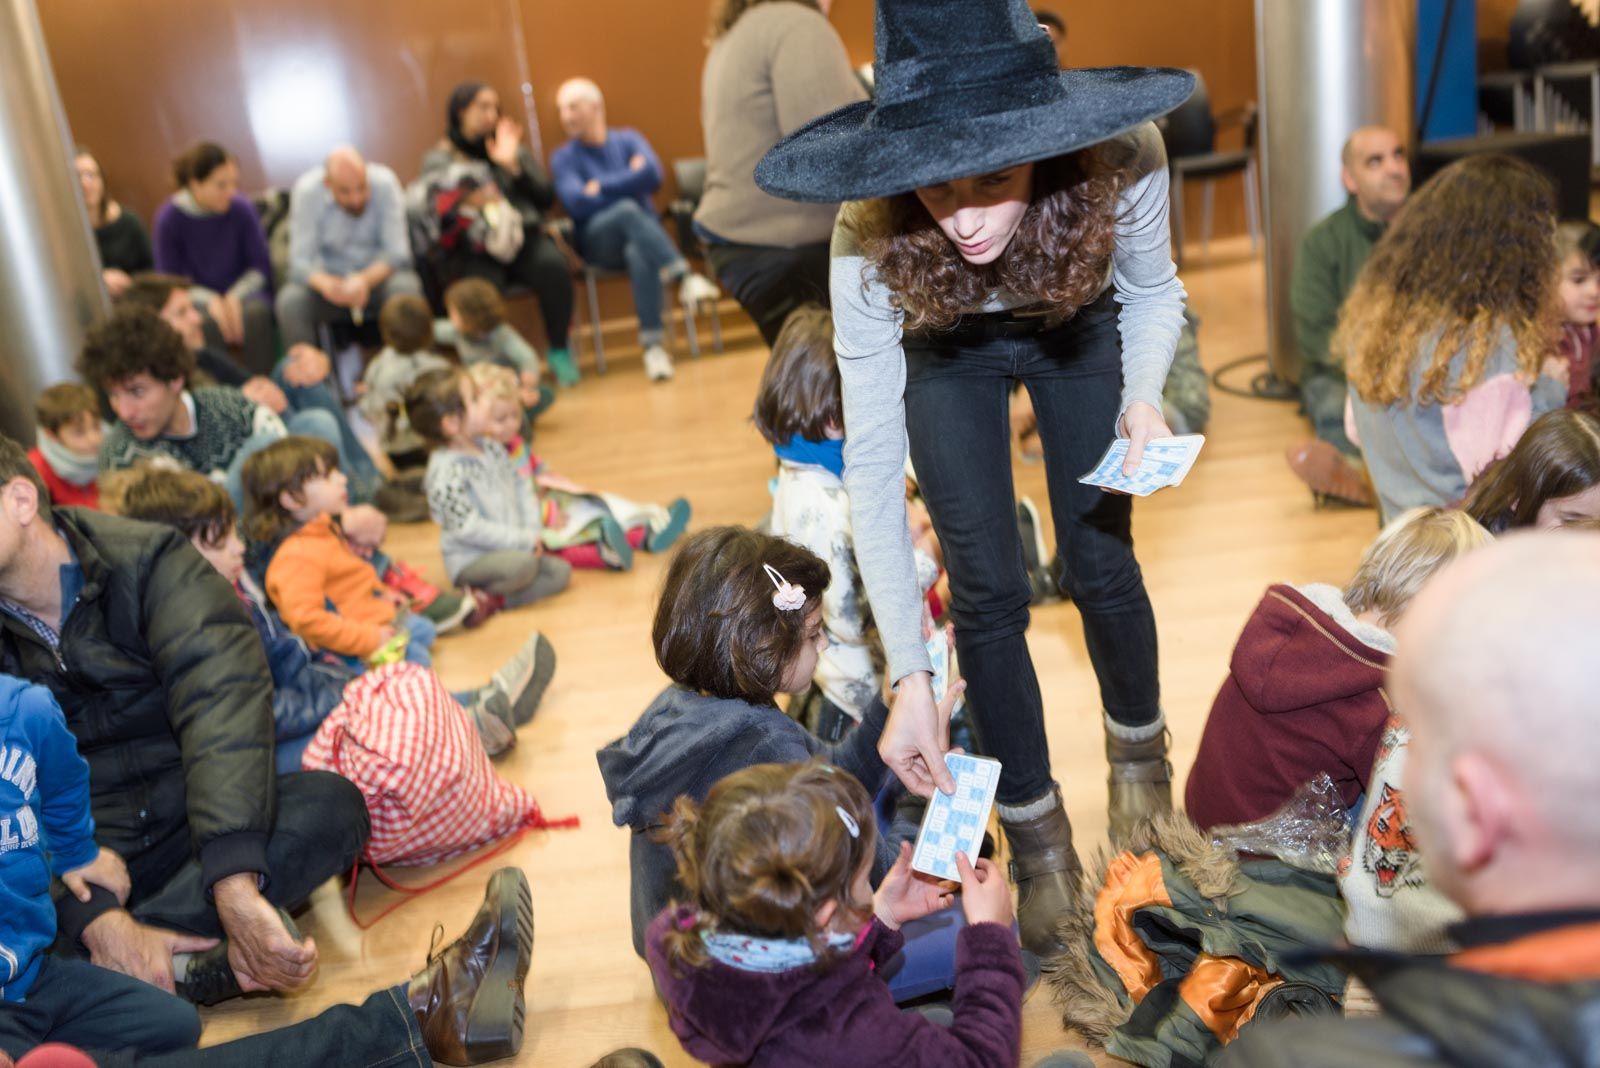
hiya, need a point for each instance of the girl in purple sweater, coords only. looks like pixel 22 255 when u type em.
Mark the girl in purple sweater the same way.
pixel 208 233
pixel 772 960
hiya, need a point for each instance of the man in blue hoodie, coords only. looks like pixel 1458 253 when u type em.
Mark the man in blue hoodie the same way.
pixel 45 830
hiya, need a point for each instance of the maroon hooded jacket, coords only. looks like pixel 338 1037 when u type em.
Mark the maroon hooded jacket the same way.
pixel 1303 696
pixel 843 1015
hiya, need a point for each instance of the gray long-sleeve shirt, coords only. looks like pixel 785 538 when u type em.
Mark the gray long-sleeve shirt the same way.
pixel 325 237
pixel 867 339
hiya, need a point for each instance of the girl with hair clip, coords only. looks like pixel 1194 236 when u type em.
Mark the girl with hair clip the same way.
pixel 740 621
pixel 1448 334
pixel 1551 479
pixel 775 953
pixel 1005 221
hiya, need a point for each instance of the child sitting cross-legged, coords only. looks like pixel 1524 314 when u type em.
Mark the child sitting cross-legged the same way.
pixel 776 951
pixel 68 454
pixel 584 528
pixel 327 593
pixel 488 516
pixel 1305 689
pixel 48 831
pixel 739 621
pixel 308 685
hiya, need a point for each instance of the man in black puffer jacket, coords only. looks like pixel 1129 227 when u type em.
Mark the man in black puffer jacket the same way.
pixel 163 682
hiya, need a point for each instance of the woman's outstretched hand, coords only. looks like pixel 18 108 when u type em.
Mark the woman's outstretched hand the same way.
pixel 917 734
pixel 1140 423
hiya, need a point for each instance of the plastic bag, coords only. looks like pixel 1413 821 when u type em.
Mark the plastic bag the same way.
pixel 1311 831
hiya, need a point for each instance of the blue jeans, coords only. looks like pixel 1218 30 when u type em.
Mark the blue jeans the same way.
pixel 93 1008
pixel 626 237
pixel 957 416
pixel 423 632
pixel 312 423
pixel 353 458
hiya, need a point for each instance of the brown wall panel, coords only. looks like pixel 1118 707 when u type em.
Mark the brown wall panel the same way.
pixel 279 83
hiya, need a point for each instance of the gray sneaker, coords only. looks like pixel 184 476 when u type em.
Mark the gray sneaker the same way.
pixel 491 714
pixel 525 677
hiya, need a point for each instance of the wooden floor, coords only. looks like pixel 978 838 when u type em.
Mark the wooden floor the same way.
pixel 1209 548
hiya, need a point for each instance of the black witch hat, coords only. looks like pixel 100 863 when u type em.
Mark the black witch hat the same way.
pixel 964 87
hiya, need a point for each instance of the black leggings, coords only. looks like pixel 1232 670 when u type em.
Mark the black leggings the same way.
pixel 539 266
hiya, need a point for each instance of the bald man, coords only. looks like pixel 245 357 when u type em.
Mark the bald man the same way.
pixel 1377 176
pixel 348 248
pixel 1497 681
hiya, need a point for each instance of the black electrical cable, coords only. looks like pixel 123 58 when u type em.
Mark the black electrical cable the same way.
pixel 1263 386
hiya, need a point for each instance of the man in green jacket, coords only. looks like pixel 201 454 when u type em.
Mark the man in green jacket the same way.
pixel 1504 807
pixel 1377 175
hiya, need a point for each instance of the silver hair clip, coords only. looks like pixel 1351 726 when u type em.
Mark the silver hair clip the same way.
pixel 849 821
pixel 787 597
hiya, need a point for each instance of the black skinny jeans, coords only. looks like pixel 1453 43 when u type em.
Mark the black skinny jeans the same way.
pixel 769 283
pixel 958 386
pixel 539 266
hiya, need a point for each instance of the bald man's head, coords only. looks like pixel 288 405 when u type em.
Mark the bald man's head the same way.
pixel 582 109
pixel 1496 679
pixel 344 172
pixel 1376 171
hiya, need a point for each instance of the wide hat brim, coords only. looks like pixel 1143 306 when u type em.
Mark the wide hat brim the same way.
pixel 844 155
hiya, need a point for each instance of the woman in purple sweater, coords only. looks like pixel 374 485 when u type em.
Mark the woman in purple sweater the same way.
pixel 208 233
pixel 774 958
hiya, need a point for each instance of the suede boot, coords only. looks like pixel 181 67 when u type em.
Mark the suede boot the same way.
pixel 1046 871
pixel 1140 781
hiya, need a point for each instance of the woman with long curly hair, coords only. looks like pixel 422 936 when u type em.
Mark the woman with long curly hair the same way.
pixel 1447 335
pixel 1551 479
pixel 1007 221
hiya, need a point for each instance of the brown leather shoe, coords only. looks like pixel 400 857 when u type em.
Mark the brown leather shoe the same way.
pixel 1330 474
pixel 1140 783
pixel 1046 871
pixel 469 998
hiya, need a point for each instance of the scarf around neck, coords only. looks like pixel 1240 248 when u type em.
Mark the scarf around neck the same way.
pixel 73 467
pixel 752 953
pixel 828 453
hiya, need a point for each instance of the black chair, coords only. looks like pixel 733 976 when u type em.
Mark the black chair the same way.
pixel 1190 134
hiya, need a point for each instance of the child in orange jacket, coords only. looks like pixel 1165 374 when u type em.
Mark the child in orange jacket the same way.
pixel 325 591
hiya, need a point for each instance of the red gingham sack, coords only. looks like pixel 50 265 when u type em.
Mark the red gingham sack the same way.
pixel 414 753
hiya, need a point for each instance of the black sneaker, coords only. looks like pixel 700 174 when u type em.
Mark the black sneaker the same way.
pixel 208 978
pixel 1030 527
pixel 401 503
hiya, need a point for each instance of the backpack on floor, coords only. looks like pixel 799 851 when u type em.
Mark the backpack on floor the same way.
pixel 414 753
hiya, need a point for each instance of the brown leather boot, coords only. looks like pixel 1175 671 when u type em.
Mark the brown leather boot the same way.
pixel 469 997
pixel 1046 871
pixel 1140 782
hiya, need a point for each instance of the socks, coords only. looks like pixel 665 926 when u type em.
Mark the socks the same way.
pixel 1141 733
pixel 1032 810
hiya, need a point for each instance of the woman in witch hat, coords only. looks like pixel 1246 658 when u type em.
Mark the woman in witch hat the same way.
pixel 1007 220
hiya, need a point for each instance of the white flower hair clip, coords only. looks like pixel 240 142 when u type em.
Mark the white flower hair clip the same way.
pixel 849 821
pixel 787 597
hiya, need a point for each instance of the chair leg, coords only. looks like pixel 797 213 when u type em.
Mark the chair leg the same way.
pixel 1252 206
pixel 1207 196
pixel 595 333
pixel 716 327
pixel 1175 199
pixel 691 329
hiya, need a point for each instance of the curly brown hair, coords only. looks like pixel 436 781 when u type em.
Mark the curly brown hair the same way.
pixel 1470 257
pixel 766 851
pixel 724 13
pixel 1059 255
pixel 716 629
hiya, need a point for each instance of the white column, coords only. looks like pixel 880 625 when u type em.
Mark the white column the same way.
pixel 50 290
pixel 1326 67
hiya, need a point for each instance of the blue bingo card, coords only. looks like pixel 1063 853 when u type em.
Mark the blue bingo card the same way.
pixel 954 823
pixel 1165 463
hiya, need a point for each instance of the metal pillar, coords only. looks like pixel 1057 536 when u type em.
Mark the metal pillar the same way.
pixel 50 289
pixel 1326 67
